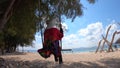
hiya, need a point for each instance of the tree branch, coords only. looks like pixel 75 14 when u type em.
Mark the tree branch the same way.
pixel 105 38
pixel 5 17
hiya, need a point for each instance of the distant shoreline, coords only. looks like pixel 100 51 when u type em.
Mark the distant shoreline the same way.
pixel 67 51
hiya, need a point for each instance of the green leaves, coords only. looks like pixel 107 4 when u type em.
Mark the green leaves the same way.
pixel 23 22
pixel 91 1
pixel 21 27
pixel 68 8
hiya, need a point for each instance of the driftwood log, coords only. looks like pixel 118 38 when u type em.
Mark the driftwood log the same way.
pixel 103 41
pixel 109 43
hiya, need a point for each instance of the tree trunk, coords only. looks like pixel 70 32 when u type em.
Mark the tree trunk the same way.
pixel 14 48
pixel 2 50
pixel 111 43
pixel 110 47
pixel 98 46
pixel 108 43
pixel 6 15
pixel 105 38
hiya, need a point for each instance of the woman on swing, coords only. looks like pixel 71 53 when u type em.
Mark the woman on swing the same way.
pixel 52 35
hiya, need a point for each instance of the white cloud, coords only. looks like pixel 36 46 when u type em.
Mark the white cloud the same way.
pixel 85 37
pixel 37 37
pixel 114 27
pixel 92 29
pixel 65 27
pixel 89 36
pixel 71 41
pixel 35 46
pixel 93 33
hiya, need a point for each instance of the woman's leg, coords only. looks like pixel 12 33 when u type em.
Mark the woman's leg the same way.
pixel 60 55
pixel 55 58
pixel 57 52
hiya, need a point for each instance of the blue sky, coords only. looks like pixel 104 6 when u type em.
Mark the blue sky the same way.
pixel 86 30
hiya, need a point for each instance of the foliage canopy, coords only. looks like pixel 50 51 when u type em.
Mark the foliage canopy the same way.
pixel 22 18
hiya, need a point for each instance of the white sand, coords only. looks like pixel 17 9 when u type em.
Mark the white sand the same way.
pixel 72 60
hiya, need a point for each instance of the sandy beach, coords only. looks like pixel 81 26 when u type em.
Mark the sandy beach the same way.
pixel 71 60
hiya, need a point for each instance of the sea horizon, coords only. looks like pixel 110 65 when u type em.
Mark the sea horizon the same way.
pixel 74 50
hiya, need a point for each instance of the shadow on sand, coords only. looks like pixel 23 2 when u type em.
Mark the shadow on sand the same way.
pixel 14 53
pixel 107 63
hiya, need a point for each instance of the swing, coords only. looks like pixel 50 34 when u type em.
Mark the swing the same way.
pixel 46 52
pixel 52 35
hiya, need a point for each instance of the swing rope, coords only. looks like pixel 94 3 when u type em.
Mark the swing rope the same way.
pixel 59 20
pixel 40 22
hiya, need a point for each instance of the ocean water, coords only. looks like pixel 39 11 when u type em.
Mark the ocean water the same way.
pixel 76 50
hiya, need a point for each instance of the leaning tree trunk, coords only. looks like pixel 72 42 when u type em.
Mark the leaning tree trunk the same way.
pixel 2 51
pixel 6 15
pixel 105 38
pixel 111 43
pixel 98 46
pixel 110 47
